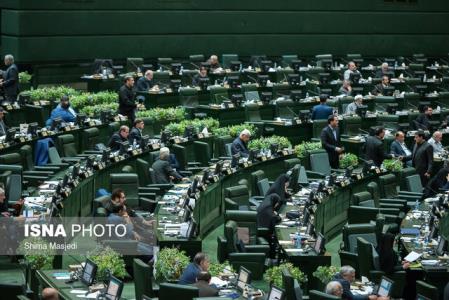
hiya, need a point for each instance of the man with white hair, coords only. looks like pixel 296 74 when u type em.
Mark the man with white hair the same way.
pixel 214 64
pixel 383 71
pixel 435 142
pixel 352 69
pixel 240 144
pixel 352 107
pixel 334 288
pixel 163 172
pixel 10 81
pixel 145 83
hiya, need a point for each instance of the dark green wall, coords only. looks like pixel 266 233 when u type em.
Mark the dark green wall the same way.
pixel 61 30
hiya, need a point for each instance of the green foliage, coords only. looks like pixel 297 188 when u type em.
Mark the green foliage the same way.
pixel 24 77
pixel 86 99
pixel 393 165
pixel 49 93
pixel 274 274
pixel 108 259
pixel 348 160
pixel 325 273
pixel 235 130
pixel 266 142
pixel 216 269
pixel 94 110
pixel 163 114
pixel 170 264
pixel 198 124
pixel 37 253
pixel 304 147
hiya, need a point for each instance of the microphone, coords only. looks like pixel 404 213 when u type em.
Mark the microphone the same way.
pixel 252 78
pixel 291 110
pixel 363 131
pixel 134 64
pixel 195 65
pixel 381 106
pixel 414 106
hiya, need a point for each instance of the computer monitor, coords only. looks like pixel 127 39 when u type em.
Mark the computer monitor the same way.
pixel 276 293
pixel 265 65
pixel 218 167
pixel 421 90
pixel 175 84
pixel 305 115
pixel 319 244
pixel 326 64
pixel 233 81
pixel 90 162
pixel 235 65
pixel 442 246
pixel 243 278
pixel 175 68
pixel 114 289
pixel 75 170
pixel 354 77
pixel 124 148
pixel 388 91
pixel 392 108
pixel 324 78
pixel 295 64
pixel 194 185
pixel 266 97
pixel 296 95
pixel 235 160
pixel 237 99
pixel 205 177
pixel 105 116
pixel 305 215
pixel 189 131
pixel 105 155
pixel 385 285
pixel 56 123
pixel 80 119
pixel 262 80
pixel 10 135
pixel 292 288
pixel 165 136
pixel 293 79
pixel 65 180
pixel 187 212
pixel 348 172
pixel 310 229
pixel 32 128
pixel 144 142
pixel 203 83
pixel 89 272
pixel 361 110
pixel 274 148
pixel 294 178
pixel 252 155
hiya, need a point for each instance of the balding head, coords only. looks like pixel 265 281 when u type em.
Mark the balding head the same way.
pixel 245 135
pixel 437 136
pixel 50 294
pixel 149 75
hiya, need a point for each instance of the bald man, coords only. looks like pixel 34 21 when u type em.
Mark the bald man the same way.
pixel 145 83
pixel 50 294
pixel 435 142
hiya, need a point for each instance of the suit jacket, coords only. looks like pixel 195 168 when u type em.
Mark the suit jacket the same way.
pixel 396 149
pixel 321 112
pixel 115 141
pixel 135 134
pixel 422 122
pixel 126 100
pixel 11 81
pixel 422 158
pixel 3 128
pixel 346 285
pixel 205 290
pixel 238 146
pixel 143 84
pixel 329 143
pixel 374 150
pixel 162 172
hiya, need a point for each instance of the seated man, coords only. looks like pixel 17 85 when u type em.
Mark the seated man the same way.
pixel 399 149
pixel 435 142
pixel 352 69
pixel 3 127
pixel 163 172
pixel 202 74
pixel 240 144
pixel 203 285
pixel 63 111
pixel 136 132
pixel 145 83
pixel 322 111
pixel 334 288
pixel 200 264
pixel 352 107
pixel 214 64
pixel 384 70
pixel 345 277
pixel 346 89
pixel 118 138
pixel 380 89
pixel 423 120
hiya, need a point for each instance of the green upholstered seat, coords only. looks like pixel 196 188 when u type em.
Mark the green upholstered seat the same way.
pixel 343 103
pixel 252 112
pixel 427 290
pixel 319 162
pixel 287 59
pixel 351 125
pixel 132 63
pixel 317 127
pixel 143 279
pixel 218 94
pixel 246 220
pixel 256 176
pixel 284 109
pixel 203 153
pixel 414 184
pixel 236 197
pixel 365 257
pixel 170 291
pixel 196 58
pixel 351 232
pixel 363 199
pixel 129 183
pixel 91 137
pixel 227 58
pixel 189 96
pixel 317 295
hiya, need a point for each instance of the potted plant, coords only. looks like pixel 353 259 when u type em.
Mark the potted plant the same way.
pixel 302 149
pixel 170 264
pixel 108 260
pixel 160 117
pixel 348 160
pixel 393 165
pixel 38 255
pixel 324 274
pixel 215 269
pixel 274 274
pixel 25 81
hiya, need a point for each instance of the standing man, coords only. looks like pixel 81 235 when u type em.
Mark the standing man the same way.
pixel 322 111
pixel 127 105
pixel 10 81
pixel 3 127
pixel 399 148
pixel 422 157
pixel 240 144
pixel 374 147
pixel 136 131
pixel 330 140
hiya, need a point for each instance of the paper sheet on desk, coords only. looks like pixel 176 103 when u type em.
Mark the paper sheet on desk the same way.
pixel 218 282
pixel 89 296
pixel 412 256
pixel 294 250
pixel 78 292
pixel 285 242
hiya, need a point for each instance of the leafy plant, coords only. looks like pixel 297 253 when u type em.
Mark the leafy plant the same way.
pixel 94 110
pixel 348 160
pixel 48 93
pixel 216 269
pixel 24 77
pixel 274 274
pixel 235 130
pixel 108 260
pixel 86 99
pixel 163 114
pixel 37 253
pixel 325 273
pixel 266 142
pixel 170 264
pixel 393 165
pixel 198 125
pixel 304 147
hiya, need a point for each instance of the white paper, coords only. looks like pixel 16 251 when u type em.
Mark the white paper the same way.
pixel 218 282
pixel 293 250
pixel 78 292
pixel 90 296
pixel 412 256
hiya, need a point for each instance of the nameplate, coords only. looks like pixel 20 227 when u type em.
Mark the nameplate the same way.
pixel 263 158
pixel 111 76
pixel 214 178
pixel 155 146
pixel 200 135
pixel 228 171
pixel 36 103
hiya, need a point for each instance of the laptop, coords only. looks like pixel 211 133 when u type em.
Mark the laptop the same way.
pixel 276 294
pixel 385 287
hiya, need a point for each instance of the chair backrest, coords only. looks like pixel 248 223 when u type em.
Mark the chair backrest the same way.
pixel 67 145
pixel 287 60
pixel 238 194
pixel 282 89
pixel 427 290
pixel 414 184
pixel 91 137
pixel 53 156
pixel 255 178
pixel 228 150
pixel 317 295
pixel 129 183
pixel 291 286
pixel 189 96
pixel 351 125
pixel 252 112
pixel 181 155
pixel 196 58
pixel 245 220
pixel 361 215
pixel 142 279
pixel 218 94
pixel 388 186
pixel 10 159
pixel 227 58
pixel 13 189
pixel 249 87
pixel 284 109
pixel 290 163
pixel 162 77
pixel 302 178
pixel 12 290
pixel 263 186
pixel 403 174
pixel 132 63
pixel 344 102
pixel 373 189
pixel 203 153
pixel 142 169
pixel 319 162
pixel 230 233
pixel 365 257
pixel 363 199
pixel 26 153
pixel 317 127
pixel 352 231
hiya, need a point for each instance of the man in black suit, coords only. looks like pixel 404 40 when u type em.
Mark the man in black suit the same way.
pixel 10 82
pixel 239 145
pixel 422 157
pixel 118 138
pixel 400 149
pixel 330 140
pixel 3 127
pixel 163 172
pixel 381 89
pixel 374 148
pixel 127 105
pixel 145 83
pixel 422 122
pixel 203 285
pixel 136 132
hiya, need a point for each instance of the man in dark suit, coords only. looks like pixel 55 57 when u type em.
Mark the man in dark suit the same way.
pixel 203 73
pixel 330 140
pixel 422 122
pixel 118 138
pixel 399 148
pixel 374 148
pixel 203 285
pixel 145 83
pixel 381 89
pixel 422 157
pixel 239 145
pixel 10 82
pixel 127 105
pixel 163 172
pixel 322 111
pixel 3 127
pixel 136 132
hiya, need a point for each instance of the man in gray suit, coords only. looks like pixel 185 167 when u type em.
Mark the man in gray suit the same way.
pixel 422 157
pixel 10 82
pixel 163 172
